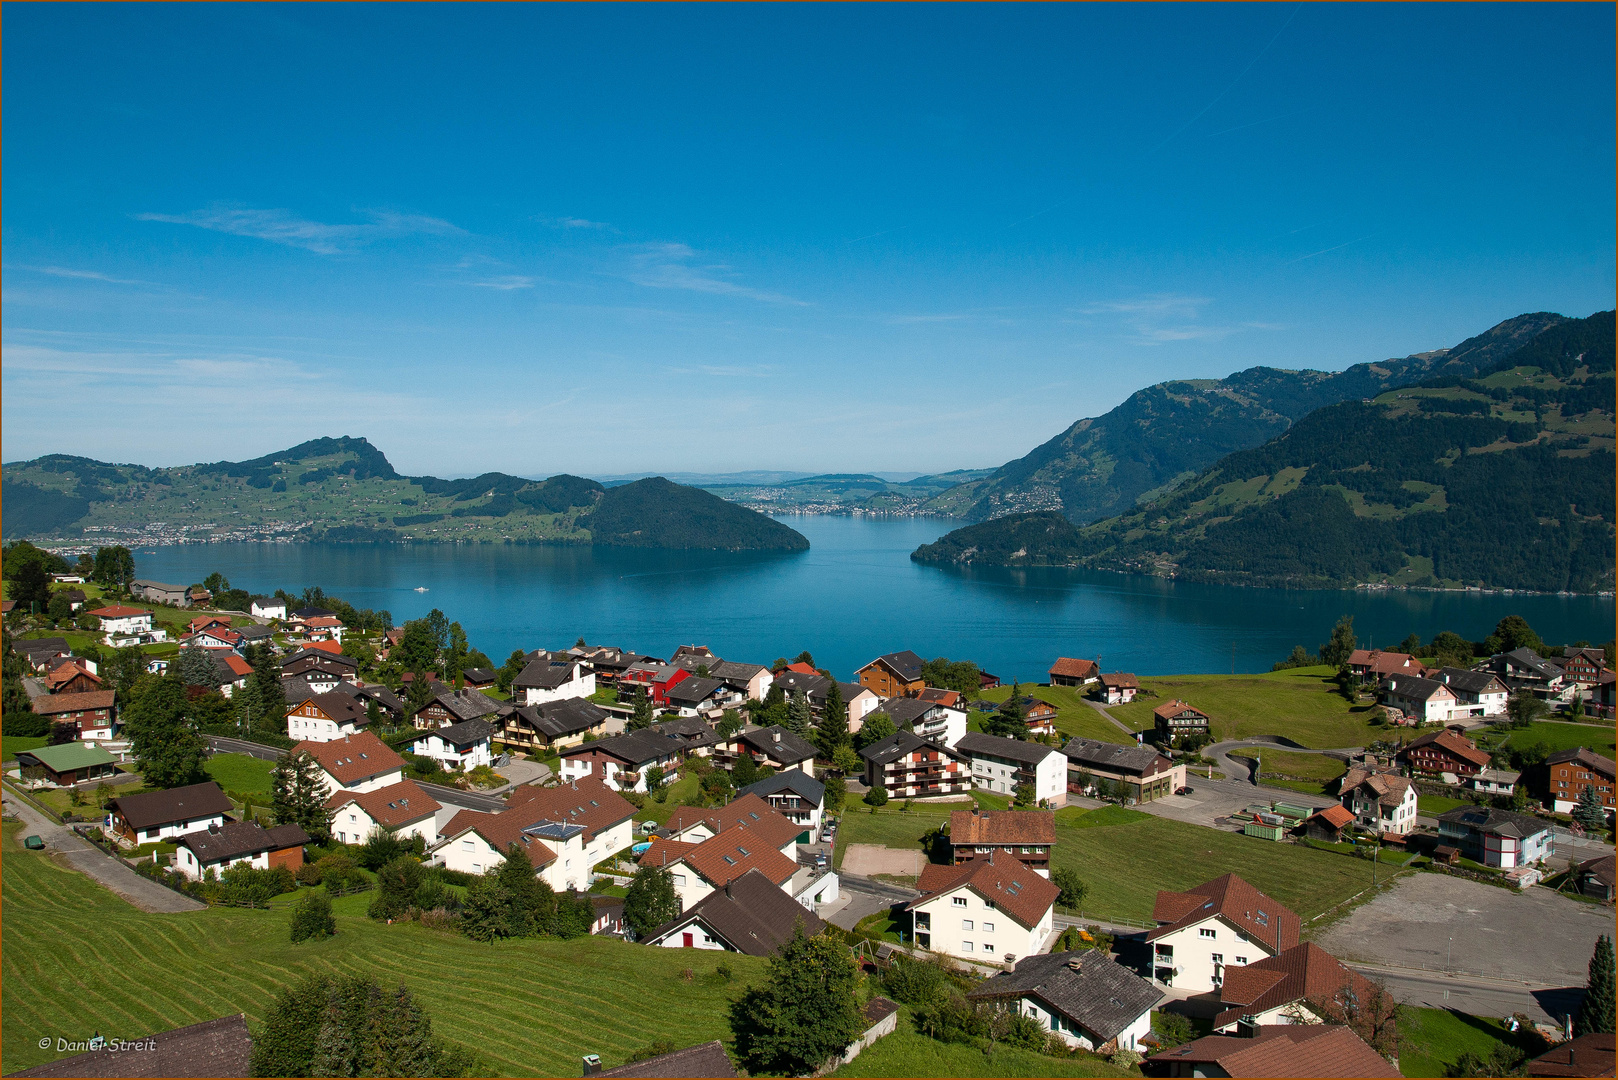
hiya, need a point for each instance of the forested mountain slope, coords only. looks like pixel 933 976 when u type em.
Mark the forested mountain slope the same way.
pixel 1504 481
pixel 1166 434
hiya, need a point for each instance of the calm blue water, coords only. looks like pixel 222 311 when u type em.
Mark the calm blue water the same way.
pixel 854 595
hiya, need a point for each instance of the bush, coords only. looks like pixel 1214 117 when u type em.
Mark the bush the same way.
pixel 312 918
pixel 877 796
pixel 396 884
pixel 1125 1059
pixel 382 848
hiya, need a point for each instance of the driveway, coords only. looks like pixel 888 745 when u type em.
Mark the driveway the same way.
pixel 114 873
pixel 520 771
pixel 1211 801
pixel 868 860
pixel 1436 923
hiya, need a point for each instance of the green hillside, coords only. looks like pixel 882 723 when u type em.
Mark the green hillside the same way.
pixel 344 489
pixel 834 492
pixel 1164 435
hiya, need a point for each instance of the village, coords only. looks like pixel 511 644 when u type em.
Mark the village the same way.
pixel 1040 844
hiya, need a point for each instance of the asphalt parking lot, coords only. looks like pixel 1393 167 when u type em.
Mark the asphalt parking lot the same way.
pixel 1437 923
pixel 1212 800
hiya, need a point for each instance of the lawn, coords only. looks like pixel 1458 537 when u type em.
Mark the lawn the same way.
pixel 10 744
pixel 1430 1039
pixel 1433 805
pixel 1308 773
pixel 905 1053
pixel 1300 703
pixel 241 773
pixel 1562 736
pixel 76 958
pixel 682 789
pixel 1073 716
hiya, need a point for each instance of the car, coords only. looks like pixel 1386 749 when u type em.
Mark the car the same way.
pixel 820 860
pixel 1186 791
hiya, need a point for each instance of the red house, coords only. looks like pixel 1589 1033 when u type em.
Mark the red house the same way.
pixel 657 678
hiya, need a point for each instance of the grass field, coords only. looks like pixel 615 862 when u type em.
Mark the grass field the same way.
pixel 1300 703
pixel 1430 1039
pixel 241 773
pixel 1073 716
pixel 678 792
pixel 1560 736
pixel 10 744
pixel 905 1053
pixel 1308 773
pixel 1433 805
pixel 76 959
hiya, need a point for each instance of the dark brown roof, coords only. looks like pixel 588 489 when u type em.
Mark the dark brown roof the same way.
pixel 1580 755
pixel 234 839
pixel 1258 916
pixel 353 758
pixel 1002 827
pixel 50 704
pixel 752 914
pixel 709 1059
pixel 1452 743
pixel 1303 972
pixel 221 1047
pixel 588 802
pixel 1588 1055
pixel 187 803
pixel 391 806
pixel 877 1010
pixel 1086 985
pixel 340 708
pixel 1014 888
pixel 1283 1050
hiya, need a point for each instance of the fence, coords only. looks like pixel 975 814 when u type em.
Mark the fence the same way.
pixel 1105 920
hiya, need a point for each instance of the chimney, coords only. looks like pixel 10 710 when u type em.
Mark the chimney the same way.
pixel 592 1064
pixel 1570 1055
pixel 777 735
pixel 1247 1027
pixel 1075 965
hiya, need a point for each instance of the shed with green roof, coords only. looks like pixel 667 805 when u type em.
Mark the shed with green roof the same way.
pixel 68 763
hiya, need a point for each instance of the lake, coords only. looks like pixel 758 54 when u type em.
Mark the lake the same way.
pixel 854 595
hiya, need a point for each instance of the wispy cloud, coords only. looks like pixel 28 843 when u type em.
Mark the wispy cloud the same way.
pixel 1334 247
pixel 83 275
pixel 1161 318
pixel 575 223
pixel 506 282
pixel 672 266
pixel 285 227
pixel 1156 304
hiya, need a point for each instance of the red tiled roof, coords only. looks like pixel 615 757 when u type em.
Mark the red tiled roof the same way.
pixel 588 802
pixel 353 757
pixel 1336 815
pixel 1014 888
pixel 333 647
pixel 1452 743
pixel 501 831
pixel 1170 709
pixel 939 697
pixel 237 665
pixel 1322 1050
pixel 666 852
pixel 391 806
pixel 1121 679
pixel 118 611
pixel 748 812
pixel 70 669
pixel 1002 827
pixel 1070 668
pixel 51 704
pixel 1303 972
pixel 804 669
pixel 723 858
pixel 1244 907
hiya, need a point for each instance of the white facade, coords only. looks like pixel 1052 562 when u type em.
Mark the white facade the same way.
pixel 351 824
pixel 451 757
pixel 301 728
pixel 943 724
pixel 127 625
pixel 860 706
pixel 185 861
pixel 1194 957
pixel 572 868
pixel 963 924
pixel 387 779
pixel 1371 814
pixel 811 886
pixel 581 685
pixel 269 608
pixel 1075 1035
pixel 1439 706
pixel 168 830
pixel 993 773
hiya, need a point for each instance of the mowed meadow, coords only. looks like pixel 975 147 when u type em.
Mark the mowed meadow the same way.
pixel 78 960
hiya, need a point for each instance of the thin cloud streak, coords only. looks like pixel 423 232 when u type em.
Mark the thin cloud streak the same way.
pixel 281 226
pixel 669 266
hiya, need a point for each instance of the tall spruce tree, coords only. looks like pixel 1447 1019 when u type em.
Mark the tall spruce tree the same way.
pixel 1589 812
pixel 642 716
pixel 833 729
pixel 1596 1012
pixel 299 794
pixel 798 712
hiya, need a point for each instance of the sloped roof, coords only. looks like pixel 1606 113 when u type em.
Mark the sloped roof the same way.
pixel 694 689
pixel 569 716
pixel 709 1059
pixel 1002 827
pixel 665 852
pixel 1446 739
pixel 391 806
pixel 1014 888
pixel 1471 682
pixel 789 749
pixel 51 704
pixel 1486 819
pixel 733 671
pixel 1418 689
pixel 465 703
pixel 1587 1055
pixel 237 838
pixel 746 811
pixel 1260 917
pixel 1170 709
pixel 752 913
pixel 905 711
pixel 501 831
pixel 71 668
pixel 725 857
pixel 1302 972
pixel 901 743
pixel 69 755
pixel 1072 668
pixel 796 781
pixel 1116 757
pixel 905 664
pixel 352 758
pixel 588 802
pixel 546 673
pixel 164 807
pixel 340 708
pixel 1123 680
pixel 1579 755
pixel 1336 815
pixel 119 611
pixel 222 1047
pixel 1086 986
pixel 466 733
pixel 1321 1050
pixel 635 748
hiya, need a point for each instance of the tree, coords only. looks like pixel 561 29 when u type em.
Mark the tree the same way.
pixel 877 726
pixel 1348 684
pixel 1451 650
pixel 168 747
pixel 845 760
pixel 832 733
pixel 1299 657
pixel 487 914
pixel 650 900
pixel 745 770
pixel 1523 708
pixel 642 716
pixel 1596 1012
pixel 1023 795
pixel 798 712
pixel 299 794
pixel 805 1012
pixel 396 883
pixel 1007 721
pixel 877 796
pixel 533 903
pixel 836 794
pixel 656 783
pixel 1513 632
pixel 511 669
pixel 312 918
pixel 422 642
pixel 1373 1015
pixel 195 667
pixel 59 610
pixel 1411 645
pixel 1589 812
pixel 804 658
pixel 1335 652
pixel 455 655
pixel 31 586
pixel 729 724
pixel 1072 888
pixel 114 568
pixel 216 583
pixel 63 733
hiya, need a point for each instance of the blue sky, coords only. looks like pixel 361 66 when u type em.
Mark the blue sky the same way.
pixel 621 238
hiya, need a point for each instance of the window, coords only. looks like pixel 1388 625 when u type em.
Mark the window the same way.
pixel 1241 959
pixel 988 946
pixel 966 946
pixel 988 928
pixel 1207 933
pixel 966 924
pixel 679 879
pixel 959 901
pixel 467 845
pixel 988 905
pixel 1218 958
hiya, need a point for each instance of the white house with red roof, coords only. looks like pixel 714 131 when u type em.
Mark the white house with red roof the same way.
pixel 215 637
pixel 402 810
pixel 119 620
pixel 720 846
pixel 1221 922
pixel 357 763
pixel 564 831
pixel 992 909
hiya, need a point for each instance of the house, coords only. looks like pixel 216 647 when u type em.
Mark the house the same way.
pixel 552 677
pixel 1495 781
pixel 222 1047
pixel 1597 878
pixel 41 653
pixel 255 635
pixel 1381 802
pixel 1477 693
pixel 220 847
pixel 1119 687
pixel 774 746
pixel 268 607
pixel 1583 667
pixel 985 910
pixel 565 831
pixel 752 681
pixel 324 628
pixel 1321 1050
pixel 609 662
pixel 153 816
pixel 1223 921
pixel 933 721
pixel 387 702
pixel 1176 719
pixel 691 657
pixel 698 869
pixel 325 717
pixel 908 766
pixel 1428 701
pixel 1328 823
pixel 120 620
pixel 197 594
pixel 606 817
pixel 1444 752
pixel 1568 773
pixel 1039 716
pixel 1070 672
pixel 936 696
pixel 1500 838
pixel 1374 665
pixel 73 676
pixel 609 916
pixel 1024 835
pixel 1002 765
pixel 402 810
pixel 621 760
pixel 553 724
pixel 232 671
pixel 448 706
pixel 1124 772
pixel 1284 989
pixel 479 678
pixel 215 637
pixel 1085 998
pixel 94 715
pixel 654 678
pixel 696 736
pixel 795 795
pixel 709 1059
pixel 893 675
pixel 160 592
pixel 858 701
pixel 360 762
pixel 66 764
pixel 309 611
pixel 207 622
pixel 699 695
pixel 317 659
pixel 694 824
pixel 1525 669
pixel 1587 1055
pixel 457 747
pixel 750 914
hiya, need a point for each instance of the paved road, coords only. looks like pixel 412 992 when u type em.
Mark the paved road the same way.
pixel 222 745
pixel 115 874
pixel 866 897
pixel 1475 995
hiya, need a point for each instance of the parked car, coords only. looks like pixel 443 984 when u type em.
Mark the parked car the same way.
pixel 1186 791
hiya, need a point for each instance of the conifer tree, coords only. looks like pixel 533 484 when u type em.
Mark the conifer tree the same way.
pixel 805 1012
pixel 334 1045
pixel 1589 812
pixel 798 712
pixel 1596 1012
pixel 641 718
pixel 299 794
pixel 833 730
